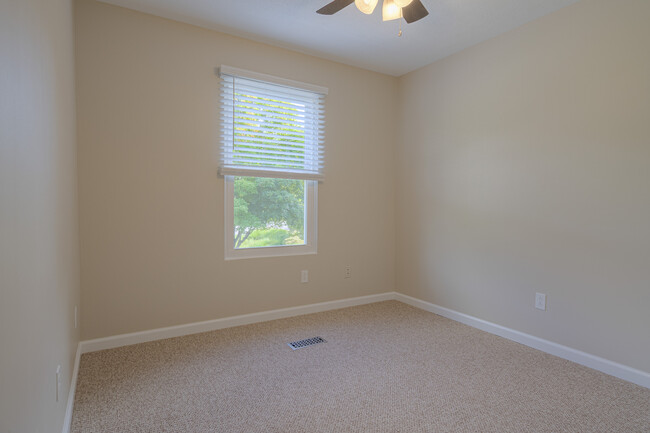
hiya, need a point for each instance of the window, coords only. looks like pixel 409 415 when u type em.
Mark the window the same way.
pixel 272 160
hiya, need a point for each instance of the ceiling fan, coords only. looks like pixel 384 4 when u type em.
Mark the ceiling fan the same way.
pixel 411 10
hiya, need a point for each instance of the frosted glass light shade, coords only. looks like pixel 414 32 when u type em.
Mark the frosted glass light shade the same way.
pixel 391 11
pixel 366 6
pixel 403 3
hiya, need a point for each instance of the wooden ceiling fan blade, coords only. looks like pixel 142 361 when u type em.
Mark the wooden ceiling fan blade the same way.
pixel 334 7
pixel 415 11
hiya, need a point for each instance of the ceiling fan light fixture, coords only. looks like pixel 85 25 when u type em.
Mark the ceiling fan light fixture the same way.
pixel 390 11
pixel 366 6
pixel 403 3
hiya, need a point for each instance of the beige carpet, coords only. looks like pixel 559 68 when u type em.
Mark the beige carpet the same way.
pixel 386 367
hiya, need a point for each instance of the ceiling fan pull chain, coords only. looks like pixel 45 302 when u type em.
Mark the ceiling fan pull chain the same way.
pixel 399 35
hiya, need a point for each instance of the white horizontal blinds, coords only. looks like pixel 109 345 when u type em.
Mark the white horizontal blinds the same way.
pixel 270 130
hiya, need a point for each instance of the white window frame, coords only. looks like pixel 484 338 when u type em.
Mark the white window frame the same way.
pixel 311 177
pixel 311 227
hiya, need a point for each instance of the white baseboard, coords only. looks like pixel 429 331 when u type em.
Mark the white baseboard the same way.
pixel 67 420
pixel 612 368
pixel 226 322
pixel 621 371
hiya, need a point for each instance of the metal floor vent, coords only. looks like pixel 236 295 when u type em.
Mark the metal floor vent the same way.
pixel 307 342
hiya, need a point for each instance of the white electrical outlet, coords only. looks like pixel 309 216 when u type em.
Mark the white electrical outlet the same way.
pixel 304 276
pixel 58 381
pixel 540 301
pixel 348 272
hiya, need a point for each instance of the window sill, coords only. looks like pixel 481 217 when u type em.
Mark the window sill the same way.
pixel 262 252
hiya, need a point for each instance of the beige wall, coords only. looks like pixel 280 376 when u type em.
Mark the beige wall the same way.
pixel 151 203
pixel 39 265
pixel 524 166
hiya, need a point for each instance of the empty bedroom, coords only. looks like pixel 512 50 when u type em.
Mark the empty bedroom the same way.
pixel 324 216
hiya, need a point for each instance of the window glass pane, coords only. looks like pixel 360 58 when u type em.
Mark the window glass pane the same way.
pixel 268 132
pixel 268 212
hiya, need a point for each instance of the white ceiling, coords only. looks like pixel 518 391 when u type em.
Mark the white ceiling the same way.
pixel 350 36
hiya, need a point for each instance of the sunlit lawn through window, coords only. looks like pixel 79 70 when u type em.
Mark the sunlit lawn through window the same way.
pixel 269 212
